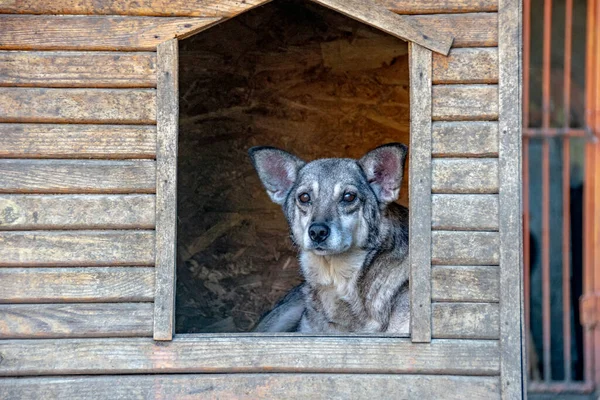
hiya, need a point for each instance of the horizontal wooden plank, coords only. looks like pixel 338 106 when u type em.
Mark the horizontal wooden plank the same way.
pixel 465 283
pixel 76 32
pixel 159 8
pixel 77 141
pixel 77 176
pixel 478 65
pixel 254 386
pixel 239 354
pixel 438 7
pixel 464 139
pixel 53 285
pixel 77 69
pixel 76 248
pixel 464 102
pixel 89 106
pixel 474 175
pixel 465 248
pixel 28 212
pixel 21 321
pixel 469 30
pixel 475 212
pixel 466 320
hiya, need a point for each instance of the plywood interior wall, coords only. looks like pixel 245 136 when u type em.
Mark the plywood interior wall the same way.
pixel 291 75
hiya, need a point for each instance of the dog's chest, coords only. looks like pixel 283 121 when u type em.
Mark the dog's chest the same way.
pixel 333 294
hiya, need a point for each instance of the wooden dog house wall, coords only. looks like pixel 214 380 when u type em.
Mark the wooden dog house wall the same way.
pixel 88 140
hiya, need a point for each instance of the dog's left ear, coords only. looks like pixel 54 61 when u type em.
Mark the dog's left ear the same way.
pixel 384 167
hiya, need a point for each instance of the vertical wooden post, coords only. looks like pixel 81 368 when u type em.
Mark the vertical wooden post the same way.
pixel 420 192
pixel 512 378
pixel 167 116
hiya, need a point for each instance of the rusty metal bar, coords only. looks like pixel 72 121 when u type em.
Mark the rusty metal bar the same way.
pixel 566 178
pixel 561 387
pixel 588 206
pixel 553 132
pixel 525 167
pixel 546 312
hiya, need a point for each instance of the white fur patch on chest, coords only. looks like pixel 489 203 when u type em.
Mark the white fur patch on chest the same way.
pixel 339 271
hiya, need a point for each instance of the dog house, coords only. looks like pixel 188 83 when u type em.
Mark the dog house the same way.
pixel 89 106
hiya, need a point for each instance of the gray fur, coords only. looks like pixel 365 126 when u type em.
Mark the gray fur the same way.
pixel 356 279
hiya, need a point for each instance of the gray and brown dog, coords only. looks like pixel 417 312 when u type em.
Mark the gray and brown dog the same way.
pixel 352 237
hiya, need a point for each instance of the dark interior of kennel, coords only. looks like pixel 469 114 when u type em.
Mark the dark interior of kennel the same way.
pixel 289 74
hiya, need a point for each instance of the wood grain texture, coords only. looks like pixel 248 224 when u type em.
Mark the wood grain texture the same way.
pixel 253 386
pixel 77 69
pixel 59 285
pixel 465 248
pixel 105 106
pixel 22 321
pixel 400 26
pixel 464 102
pixel 468 30
pixel 478 65
pixel 77 141
pixel 77 176
pixel 30 212
pixel 159 8
pixel 465 139
pixel 470 212
pixel 455 176
pixel 466 320
pixel 76 248
pixel 512 335
pixel 465 283
pixel 167 129
pixel 240 354
pixel 420 196
pixel 76 32
pixel 438 7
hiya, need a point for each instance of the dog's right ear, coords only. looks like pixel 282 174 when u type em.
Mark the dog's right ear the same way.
pixel 277 170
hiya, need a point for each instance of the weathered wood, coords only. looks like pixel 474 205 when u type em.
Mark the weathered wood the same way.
pixel 77 176
pixel 77 69
pixel 76 248
pixel 465 139
pixel 76 32
pixel 400 26
pixel 77 141
pixel 159 8
pixel 512 334
pixel 451 175
pixel 468 30
pixel 465 248
pixel 438 7
pixel 471 212
pixel 166 189
pixel 108 106
pixel 28 212
pixel 478 65
pixel 239 354
pixel 464 102
pixel 52 285
pixel 460 283
pixel 420 196
pixel 22 321
pixel 253 386
pixel 466 320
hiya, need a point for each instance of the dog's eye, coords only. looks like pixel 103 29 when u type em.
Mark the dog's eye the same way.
pixel 304 198
pixel 349 197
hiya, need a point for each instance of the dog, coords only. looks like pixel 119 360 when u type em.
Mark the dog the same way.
pixel 352 239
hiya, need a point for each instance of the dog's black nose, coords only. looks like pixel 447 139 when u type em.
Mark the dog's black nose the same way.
pixel 318 232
